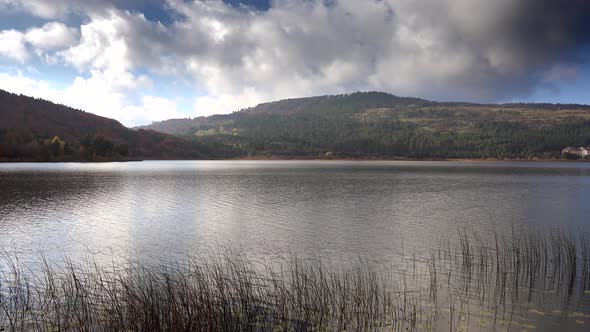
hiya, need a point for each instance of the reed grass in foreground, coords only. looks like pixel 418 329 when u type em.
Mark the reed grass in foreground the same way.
pixel 503 277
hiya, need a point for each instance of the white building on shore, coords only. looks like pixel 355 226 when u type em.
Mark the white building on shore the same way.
pixel 581 152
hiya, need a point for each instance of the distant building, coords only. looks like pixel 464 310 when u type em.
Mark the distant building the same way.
pixel 580 152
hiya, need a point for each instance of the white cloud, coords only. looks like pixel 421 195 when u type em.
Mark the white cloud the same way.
pixel 46 9
pixel 97 95
pixel 101 46
pixel 27 86
pixel 109 94
pixel 51 36
pixel 220 104
pixel 100 52
pixel 53 9
pixel 477 50
pixel 15 45
pixel 12 46
pixel 294 49
pixel 151 109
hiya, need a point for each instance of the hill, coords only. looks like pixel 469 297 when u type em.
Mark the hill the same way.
pixel 376 124
pixel 38 130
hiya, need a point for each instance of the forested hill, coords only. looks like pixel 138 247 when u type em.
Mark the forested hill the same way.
pixel 38 130
pixel 375 124
pixel 368 124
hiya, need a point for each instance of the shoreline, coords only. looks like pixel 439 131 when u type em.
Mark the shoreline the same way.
pixel 308 158
pixel 68 161
pixel 463 160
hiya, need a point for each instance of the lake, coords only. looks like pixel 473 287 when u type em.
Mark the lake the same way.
pixel 334 209
pixel 412 218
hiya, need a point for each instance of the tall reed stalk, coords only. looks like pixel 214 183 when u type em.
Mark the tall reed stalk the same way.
pixel 228 292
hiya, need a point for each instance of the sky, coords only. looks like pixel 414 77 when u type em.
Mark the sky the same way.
pixel 144 61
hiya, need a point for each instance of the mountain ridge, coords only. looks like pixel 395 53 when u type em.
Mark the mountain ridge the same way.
pixel 260 108
pixel 356 125
pixel 383 125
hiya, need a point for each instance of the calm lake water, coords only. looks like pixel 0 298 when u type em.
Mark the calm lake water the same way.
pixel 333 209
pixel 156 211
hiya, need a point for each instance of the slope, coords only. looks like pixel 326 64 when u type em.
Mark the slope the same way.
pixel 38 130
pixel 376 124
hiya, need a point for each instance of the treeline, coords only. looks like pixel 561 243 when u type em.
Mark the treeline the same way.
pixel 277 135
pixel 26 146
pixel 381 125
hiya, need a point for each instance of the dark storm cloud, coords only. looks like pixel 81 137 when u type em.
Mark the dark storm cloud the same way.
pixel 539 30
pixel 503 46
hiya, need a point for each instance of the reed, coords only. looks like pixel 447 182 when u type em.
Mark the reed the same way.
pixel 229 292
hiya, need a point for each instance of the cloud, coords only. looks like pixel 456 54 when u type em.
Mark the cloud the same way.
pixel 103 95
pixel 118 40
pixel 474 50
pixel 15 45
pixel 56 9
pixel 220 104
pixel 482 50
pixel 12 46
pixel 51 36
pixel 98 94
pixel 441 49
pixel 28 86
pixel 151 109
pixel 47 9
pixel 243 57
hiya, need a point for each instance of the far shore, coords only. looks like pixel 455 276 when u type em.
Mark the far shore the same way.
pixel 465 160
pixel 311 158
pixel 72 161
